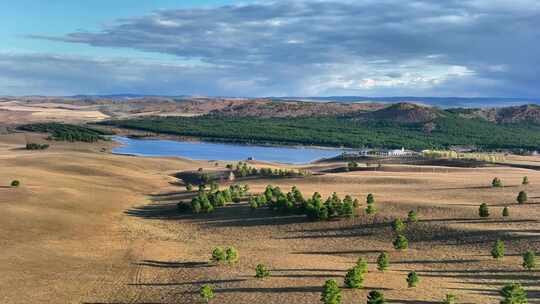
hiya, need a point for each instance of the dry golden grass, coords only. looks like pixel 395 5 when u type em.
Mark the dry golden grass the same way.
pixel 90 227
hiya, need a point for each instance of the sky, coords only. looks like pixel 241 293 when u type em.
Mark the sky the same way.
pixel 466 48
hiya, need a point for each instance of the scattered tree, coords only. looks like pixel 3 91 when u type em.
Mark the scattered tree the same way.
pixel 513 293
pixel 496 183
pixel 450 299
pixel 401 243
pixel 497 252
pixel 525 181
pixel 375 297
pixel 412 279
pixel 15 183
pixel 206 293
pixel 522 197
pixel 231 255
pixel 218 255
pixel 483 211
pixel 506 212
pixel 412 217
pixel 383 261
pixel 331 293
pixel 398 225
pixel 529 260
pixel 261 271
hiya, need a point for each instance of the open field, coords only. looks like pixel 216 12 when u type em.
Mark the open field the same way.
pixel 86 226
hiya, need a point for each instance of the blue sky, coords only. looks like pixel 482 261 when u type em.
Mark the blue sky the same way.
pixel 470 48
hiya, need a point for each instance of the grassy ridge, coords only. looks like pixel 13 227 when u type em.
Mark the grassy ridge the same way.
pixel 67 132
pixel 341 131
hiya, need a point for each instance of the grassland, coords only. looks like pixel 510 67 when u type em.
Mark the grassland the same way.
pixel 86 226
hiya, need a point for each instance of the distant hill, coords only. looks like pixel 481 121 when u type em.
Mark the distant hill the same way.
pixel 507 115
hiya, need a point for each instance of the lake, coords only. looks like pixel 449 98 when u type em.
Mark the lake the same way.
pixel 221 151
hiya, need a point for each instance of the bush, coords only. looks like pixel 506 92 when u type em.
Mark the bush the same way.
pixel 496 182
pixel 483 211
pixel 34 146
pixel 412 217
pixel 354 277
pixel 522 197
pixel 261 271
pixel 370 199
pixel 206 293
pixel 231 255
pixel 331 293
pixel 15 183
pixel 529 260
pixel 497 252
pixel 382 261
pixel 401 243
pixel 375 297
pixel 362 264
pixel 189 187
pixel 370 209
pixel 398 225
pixel 450 299
pixel 513 294
pixel 525 181
pixel 412 279
pixel 506 212
pixel 218 255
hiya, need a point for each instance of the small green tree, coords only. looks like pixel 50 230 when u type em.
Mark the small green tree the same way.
pixel 206 293
pixel 354 277
pixel 370 199
pixel 261 271
pixel 529 260
pixel 506 212
pixel 370 209
pixel 450 299
pixel 412 279
pixel 497 252
pixel 15 183
pixel 525 181
pixel 513 293
pixel 231 255
pixel 483 211
pixel 522 197
pixel 401 243
pixel 362 264
pixel 331 293
pixel 218 255
pixel 412 217
pixel 375 297
pixel 496 182
pixel 189 187
pixel 398 225
pixel 383 261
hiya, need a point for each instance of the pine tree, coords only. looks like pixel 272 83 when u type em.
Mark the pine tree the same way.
pixel 218 255
pixel 525 181
pixel 513 293
pixel 450 299
pixel 370 199
pixel 231 255
pixel 331 293
pixel 412 279
pixel 370 209
pixel 362 264
pixel 206 293
pixel 398 225
pixel 189 187
pixel 529 260
pixel 496 182
pixel 497 252
pixel 522 197
pixel 506 212
pixel 354 277
pixel 483 211
pixel 401 243
pixel 261 271
pixel 412 217
pixel 383 261
pixel 375 297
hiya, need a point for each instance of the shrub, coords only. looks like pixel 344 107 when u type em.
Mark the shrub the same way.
pixel 331 293
pixel 362 264
pixel 513 293
pixel 412 279
pixel 375 297
pixel 483 211
pixel 450 299
pixel 189 187
pixel 522 197
pixel 525 181
pixel 506 212
pixel 529 260
pixel 206 293
pixel 496 182
pixel 382 261
pixel 15 183
pixel 412 217
pixel 354 277
pixel 370 209
pixel 261 271
pixel 401 243
pixel 370 199
pixel 398 225
pixel 253 204
pixel 34 146
pixel 231 255
pixel 218 255
pixel 497 252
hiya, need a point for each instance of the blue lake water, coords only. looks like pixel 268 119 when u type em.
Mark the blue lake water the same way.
pixel 219 151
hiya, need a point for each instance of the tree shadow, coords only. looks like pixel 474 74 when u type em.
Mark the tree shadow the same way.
pixel 190 283
pixel 165 264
